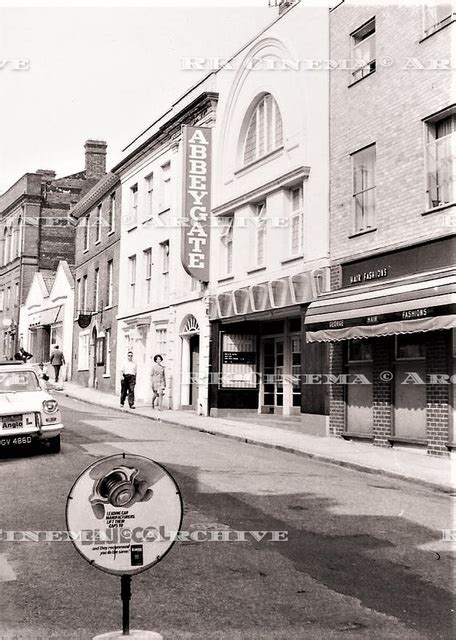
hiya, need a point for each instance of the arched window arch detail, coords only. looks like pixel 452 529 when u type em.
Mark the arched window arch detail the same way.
pixel 190 326
pixel 264 131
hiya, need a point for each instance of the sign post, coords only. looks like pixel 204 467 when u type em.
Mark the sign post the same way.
pixel 124 513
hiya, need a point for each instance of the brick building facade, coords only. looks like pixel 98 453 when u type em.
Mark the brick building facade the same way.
pixel 98 217
pixel 36 234
pixel 390 317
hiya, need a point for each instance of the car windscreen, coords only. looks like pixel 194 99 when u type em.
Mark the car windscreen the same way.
pixel 18 381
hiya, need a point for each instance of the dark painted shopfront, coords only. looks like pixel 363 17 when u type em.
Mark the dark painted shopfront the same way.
pixel 392 327
pixel 259 354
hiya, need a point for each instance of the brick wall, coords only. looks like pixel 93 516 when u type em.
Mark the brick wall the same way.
pixel 386 108
pixel 336 391
pixel 382 391
pixel 437 395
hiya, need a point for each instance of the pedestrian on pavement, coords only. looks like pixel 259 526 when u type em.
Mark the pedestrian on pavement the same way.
pixel 128 381
pixel 23 355
pixel 57 360
pixel 158 381
pixel 43 376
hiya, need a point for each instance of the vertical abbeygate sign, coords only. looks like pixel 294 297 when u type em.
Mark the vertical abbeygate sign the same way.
pixel 197 152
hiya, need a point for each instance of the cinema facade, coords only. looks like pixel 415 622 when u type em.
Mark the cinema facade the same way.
pixel 269 237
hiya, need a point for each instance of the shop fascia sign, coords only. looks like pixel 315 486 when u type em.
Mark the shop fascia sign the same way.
pixel 197 154
pixel 267 296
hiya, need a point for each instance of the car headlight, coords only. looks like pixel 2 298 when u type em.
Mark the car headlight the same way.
pixel 50 406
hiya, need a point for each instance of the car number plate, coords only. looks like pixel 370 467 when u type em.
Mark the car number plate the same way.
pixel 18 421
pixel 18 440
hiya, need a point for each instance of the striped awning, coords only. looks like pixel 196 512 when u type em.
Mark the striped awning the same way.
pixel 422 302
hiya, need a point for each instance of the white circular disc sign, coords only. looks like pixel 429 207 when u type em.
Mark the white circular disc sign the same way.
pixel 124 513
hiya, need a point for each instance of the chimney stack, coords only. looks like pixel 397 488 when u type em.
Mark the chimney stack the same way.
pixel 95 158
pixel 48 175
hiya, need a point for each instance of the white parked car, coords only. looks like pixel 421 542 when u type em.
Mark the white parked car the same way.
pixel 27 412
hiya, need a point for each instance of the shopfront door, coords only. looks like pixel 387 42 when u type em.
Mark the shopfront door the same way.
pixel 360 417
pixel 410 388
pixel 281 375
pixel 194 369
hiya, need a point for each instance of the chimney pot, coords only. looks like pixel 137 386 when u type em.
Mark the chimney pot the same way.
pixel 95 158
pixel 47 174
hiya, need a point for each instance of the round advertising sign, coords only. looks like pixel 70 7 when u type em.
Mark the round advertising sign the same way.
pixel 124 513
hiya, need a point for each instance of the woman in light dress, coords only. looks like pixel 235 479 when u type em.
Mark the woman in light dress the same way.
pixel 158 381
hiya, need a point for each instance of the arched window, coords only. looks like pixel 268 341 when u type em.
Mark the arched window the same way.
pixel 264 132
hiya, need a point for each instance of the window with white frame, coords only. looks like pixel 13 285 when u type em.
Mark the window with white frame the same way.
pixel 83 351
pixel 86 232
pixel 161 335
pixel 107 370
pixel 264 131
pixel 148 273
pixel 98 224
pixel 132 279
pixel 441 160
pixel 364 189
pixel 165 186
pixel 134 204
pixel 226 237
pixel 437 15
pixel 8 297
pixel 2 299
pixel 296 220
pixel 363 50
pixel 164 247
pixel 96 290
pixel 109 283
pixel 112 212
pixel 149 196
pixel 260 233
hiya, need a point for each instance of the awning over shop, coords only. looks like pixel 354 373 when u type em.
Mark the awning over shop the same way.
pixel 46 317
pixel 422 302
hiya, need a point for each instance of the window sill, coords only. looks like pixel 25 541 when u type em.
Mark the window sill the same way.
pixel 441 207
pixel 85 250
pixel 443 26
pixel 256 269
pixel 110 306
pixel 84 369
pixel 353 435
pixel 106 375
pixel 293 259
pixel 402 440
pixel 352 84
pixel 362 233
pixel 133 227
pixel 259 161
pixel 111 232
pixel 225 279
pixel 97 242
pixel 163 210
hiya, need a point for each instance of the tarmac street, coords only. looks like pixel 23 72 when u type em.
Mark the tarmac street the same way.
pixel 321 551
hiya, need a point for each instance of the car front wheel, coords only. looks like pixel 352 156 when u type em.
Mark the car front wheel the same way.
pixel 54 444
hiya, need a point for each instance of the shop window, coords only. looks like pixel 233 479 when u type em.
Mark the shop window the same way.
pixel 437 15
pixel 161 341
pixel 364 162
pixel 410 347
pixel 359 351
pixel 363 51
pixel 83 352
pixel 264 131
pixel 441 160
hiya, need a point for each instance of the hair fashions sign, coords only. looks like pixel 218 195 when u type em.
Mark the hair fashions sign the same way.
pixel 197 152
pixel 124 513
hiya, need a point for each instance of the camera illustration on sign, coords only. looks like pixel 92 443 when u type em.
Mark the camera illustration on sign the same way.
pixel 124 513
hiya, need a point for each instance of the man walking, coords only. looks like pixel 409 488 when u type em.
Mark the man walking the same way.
pixel 128 381
pixel 57 360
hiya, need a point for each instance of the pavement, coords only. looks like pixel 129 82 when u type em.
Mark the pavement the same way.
pixel 435 472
